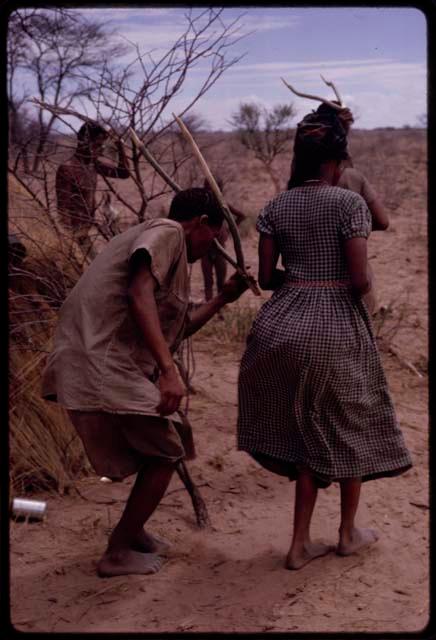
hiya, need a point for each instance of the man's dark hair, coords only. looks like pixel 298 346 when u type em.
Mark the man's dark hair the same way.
pixel 89 131
pixel 191 203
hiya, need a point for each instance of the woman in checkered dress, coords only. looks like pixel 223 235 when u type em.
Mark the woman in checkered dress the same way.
pixel 313 399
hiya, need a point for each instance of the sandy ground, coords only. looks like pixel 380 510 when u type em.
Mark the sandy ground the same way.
pixel 231 578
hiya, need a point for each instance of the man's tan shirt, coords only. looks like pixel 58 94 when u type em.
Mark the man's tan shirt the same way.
pixel 99 360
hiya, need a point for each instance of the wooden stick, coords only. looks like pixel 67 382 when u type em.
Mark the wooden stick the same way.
pixel 163 174
pixel 227 214
pixel 156 166
pixel 201 513
pixel 331 84
pixel 215 188
pixel 61 111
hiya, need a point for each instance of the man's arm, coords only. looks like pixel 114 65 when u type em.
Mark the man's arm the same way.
pixel 232 289
pixel 122 171
pixel 142 304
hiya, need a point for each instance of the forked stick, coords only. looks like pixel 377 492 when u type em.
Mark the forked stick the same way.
pixel 226 211
pixel 200 509
pixel 61 111
pixel 333 105
pixel 331 84
pixel 56 110
pixel 164 175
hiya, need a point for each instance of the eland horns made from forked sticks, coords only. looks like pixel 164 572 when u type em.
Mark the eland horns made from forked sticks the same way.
pixel 338 107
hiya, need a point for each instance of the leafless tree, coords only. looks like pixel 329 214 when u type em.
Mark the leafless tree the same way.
pixel 112 97
pixel 58 49
pixel 265 132
pixel 147 110
pixel 56 53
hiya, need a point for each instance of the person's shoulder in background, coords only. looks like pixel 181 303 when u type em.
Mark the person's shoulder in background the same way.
pixel 354 180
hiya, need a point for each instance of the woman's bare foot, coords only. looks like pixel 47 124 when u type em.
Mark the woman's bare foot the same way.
pixel 148 543
pixel 128 562
pixel 357 539
pixel 310 551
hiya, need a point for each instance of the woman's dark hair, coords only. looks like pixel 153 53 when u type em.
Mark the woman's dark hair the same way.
pixel 320 137
pixel 191 203
pixel 89 131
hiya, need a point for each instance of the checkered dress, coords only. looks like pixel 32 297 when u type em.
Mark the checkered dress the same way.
pixel 312 391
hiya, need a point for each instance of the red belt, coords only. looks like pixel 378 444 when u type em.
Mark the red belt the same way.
pixel 317 283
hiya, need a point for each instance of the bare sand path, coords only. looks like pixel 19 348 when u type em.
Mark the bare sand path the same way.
pixel 231 578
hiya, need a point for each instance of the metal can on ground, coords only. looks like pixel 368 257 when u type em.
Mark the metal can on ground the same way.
pixel 24 509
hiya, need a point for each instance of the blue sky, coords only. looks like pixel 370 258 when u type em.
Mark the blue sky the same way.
pixel 375 56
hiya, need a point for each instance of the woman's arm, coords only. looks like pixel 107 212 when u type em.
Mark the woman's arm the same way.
pixel 269 277
pixel 357 264
pixel 142 304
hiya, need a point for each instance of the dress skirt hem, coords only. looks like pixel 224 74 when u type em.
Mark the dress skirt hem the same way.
pixel 291 469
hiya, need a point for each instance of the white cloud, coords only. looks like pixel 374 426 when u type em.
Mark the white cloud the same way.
pixel 266 22
pixel 121 13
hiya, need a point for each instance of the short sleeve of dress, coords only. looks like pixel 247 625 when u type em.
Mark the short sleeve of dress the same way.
pixel 164 244
pixel 264 223
pixel 356 218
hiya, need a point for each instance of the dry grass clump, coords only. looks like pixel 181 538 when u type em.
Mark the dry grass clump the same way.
pixel 45 453
pixel 231 326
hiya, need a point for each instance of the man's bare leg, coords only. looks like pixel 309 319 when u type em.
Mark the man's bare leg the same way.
pixel 351 539
pixel 221 271
pixel 149 488
pixel 302 549
pixel 207 269
pixel 146 542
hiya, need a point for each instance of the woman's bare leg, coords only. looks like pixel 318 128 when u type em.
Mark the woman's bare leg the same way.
pixel 302 549
pixel 351 538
